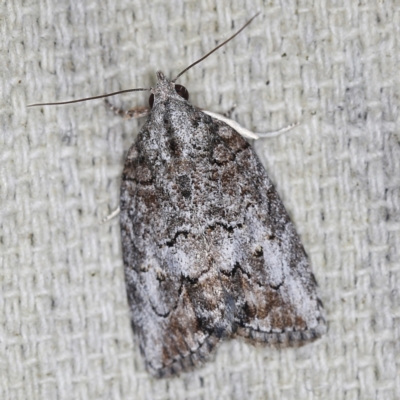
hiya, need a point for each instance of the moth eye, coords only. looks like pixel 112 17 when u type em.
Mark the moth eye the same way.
pixel 151 100
pixel 182 91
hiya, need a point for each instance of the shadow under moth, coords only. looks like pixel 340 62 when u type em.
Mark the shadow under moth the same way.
pixel 208 247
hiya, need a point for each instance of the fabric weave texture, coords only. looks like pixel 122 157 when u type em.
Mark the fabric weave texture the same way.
pixel 332 66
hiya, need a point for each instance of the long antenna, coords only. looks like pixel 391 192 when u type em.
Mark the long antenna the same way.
pixel 88 98
pixel 144 89
pixel 212 51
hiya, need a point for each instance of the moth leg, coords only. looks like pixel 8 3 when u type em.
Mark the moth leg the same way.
pixel 245 132
pixel 135 112
pixel 110 216
pixel 278 132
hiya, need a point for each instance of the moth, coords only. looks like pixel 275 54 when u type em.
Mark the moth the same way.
pixel 209 250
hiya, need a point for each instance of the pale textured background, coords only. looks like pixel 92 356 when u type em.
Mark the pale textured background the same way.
pixel 334 66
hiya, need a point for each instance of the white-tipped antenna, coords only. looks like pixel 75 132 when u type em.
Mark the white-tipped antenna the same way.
pixel 212 51
pixel 89 98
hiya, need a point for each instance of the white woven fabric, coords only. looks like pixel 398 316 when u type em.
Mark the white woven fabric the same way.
pixel 65 330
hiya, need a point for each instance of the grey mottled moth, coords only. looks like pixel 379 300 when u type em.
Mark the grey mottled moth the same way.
pixel 208 247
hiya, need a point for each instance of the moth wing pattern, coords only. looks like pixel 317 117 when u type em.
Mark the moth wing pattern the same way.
pixel 209 249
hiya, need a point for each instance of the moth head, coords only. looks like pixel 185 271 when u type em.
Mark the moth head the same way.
pixel 181 90
pixel 166 88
